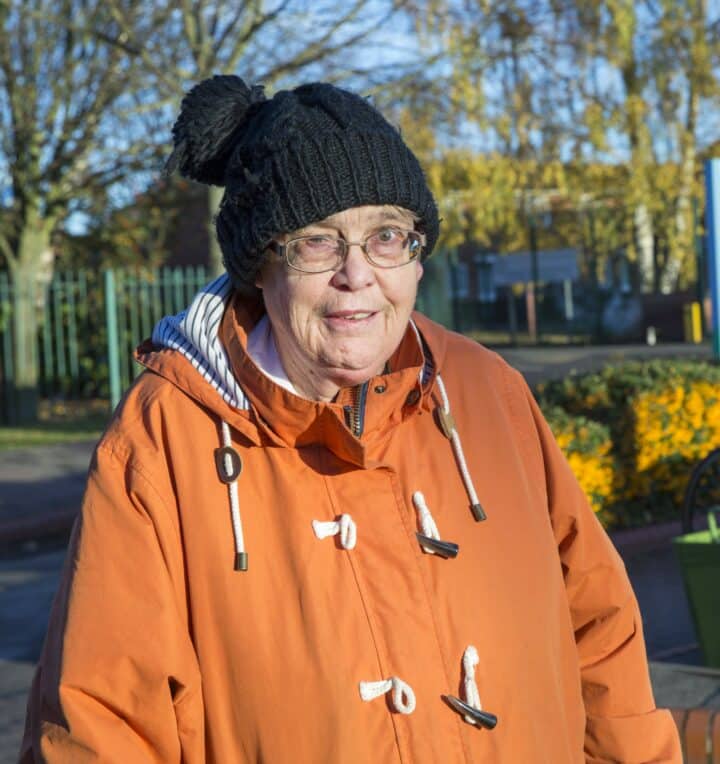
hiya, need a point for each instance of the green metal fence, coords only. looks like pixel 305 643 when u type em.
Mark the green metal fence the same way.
pixel 134 302
pixel 64 314
pixel 88 324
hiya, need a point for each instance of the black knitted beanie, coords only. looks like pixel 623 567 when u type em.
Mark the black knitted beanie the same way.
pixel 291 160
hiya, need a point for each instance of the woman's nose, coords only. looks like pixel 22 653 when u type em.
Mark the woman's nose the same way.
pixel 355 272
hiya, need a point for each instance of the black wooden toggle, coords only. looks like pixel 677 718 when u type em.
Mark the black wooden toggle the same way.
pixel 444 549
pixel 235 464
pixel 485 719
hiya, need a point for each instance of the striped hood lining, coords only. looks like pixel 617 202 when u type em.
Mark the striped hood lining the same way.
pixel 194 333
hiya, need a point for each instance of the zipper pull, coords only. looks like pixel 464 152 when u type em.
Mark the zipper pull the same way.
pixel 349 418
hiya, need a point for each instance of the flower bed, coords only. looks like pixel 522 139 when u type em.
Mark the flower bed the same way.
pixel 660 417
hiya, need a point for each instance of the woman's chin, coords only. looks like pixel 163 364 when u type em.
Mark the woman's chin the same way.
pixel 342 376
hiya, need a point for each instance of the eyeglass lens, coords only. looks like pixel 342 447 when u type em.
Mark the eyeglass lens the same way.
pixel 387 248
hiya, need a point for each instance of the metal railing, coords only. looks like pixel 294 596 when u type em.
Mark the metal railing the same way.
pixel 88 324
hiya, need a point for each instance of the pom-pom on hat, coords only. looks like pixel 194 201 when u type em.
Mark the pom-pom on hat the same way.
pixel 290 161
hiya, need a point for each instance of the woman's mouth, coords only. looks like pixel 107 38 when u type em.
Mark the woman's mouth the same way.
pixel 350 317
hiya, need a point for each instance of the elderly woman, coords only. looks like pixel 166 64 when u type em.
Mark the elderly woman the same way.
pixel 320 527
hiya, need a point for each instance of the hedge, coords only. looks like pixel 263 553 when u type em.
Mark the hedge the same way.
pixel 633 432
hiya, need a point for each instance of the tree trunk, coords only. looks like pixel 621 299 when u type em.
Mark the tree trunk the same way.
pixel 644 242
pixel 27 301
pixel 685 234
pixel 684 245
pixel 215 259
pixel 636 115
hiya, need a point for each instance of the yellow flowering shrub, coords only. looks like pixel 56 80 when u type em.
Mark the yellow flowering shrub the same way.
pixel 662 418
pixel 587 447
pixel 673 429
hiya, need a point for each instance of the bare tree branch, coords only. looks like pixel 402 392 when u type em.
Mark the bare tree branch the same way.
pixel 323 48
pixel 129 41
pixel 257 22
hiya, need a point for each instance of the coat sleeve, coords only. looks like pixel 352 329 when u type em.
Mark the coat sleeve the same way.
pixel 623 724
pixel 118 679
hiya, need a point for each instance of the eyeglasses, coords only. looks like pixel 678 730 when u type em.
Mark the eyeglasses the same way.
pixel 386 248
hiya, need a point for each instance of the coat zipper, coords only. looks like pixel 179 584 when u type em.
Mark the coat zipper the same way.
pixel 355 414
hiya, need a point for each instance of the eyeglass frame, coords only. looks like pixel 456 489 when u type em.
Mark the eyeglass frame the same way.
pixel 282 250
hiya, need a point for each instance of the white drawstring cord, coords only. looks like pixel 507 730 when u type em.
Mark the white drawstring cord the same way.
pixel 403 697
pixel 472 696
pixel 452 433
pixel 427 522
pixel 240 554
pixel 448 426
pixel 345 526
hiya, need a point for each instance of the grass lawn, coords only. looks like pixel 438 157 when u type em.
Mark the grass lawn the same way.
pixel 58 422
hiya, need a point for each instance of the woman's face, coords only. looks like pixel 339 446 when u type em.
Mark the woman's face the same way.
pixel 338 328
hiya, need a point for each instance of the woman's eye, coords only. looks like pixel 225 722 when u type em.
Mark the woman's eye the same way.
pixel 318 242
pixel 388 234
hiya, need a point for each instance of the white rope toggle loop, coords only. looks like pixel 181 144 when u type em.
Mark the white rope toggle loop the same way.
pixel 472 696
pixel 459 455
pixel 403 697
pixel 240 554
pixel 427 522
pixel 344 525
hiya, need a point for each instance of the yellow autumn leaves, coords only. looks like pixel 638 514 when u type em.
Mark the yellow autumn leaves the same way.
pixel 587 447
pixel 632 435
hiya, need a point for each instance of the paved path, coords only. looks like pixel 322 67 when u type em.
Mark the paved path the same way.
pixel 551 362
pixel 41 489
pixel 16 678
pixel 27 587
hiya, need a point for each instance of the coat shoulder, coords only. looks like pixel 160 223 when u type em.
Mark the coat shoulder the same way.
pixel 458 356
pixel 152 407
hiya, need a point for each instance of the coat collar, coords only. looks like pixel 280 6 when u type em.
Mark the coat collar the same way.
pixel 292 421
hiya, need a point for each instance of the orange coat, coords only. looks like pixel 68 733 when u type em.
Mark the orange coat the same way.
pixel 159 651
